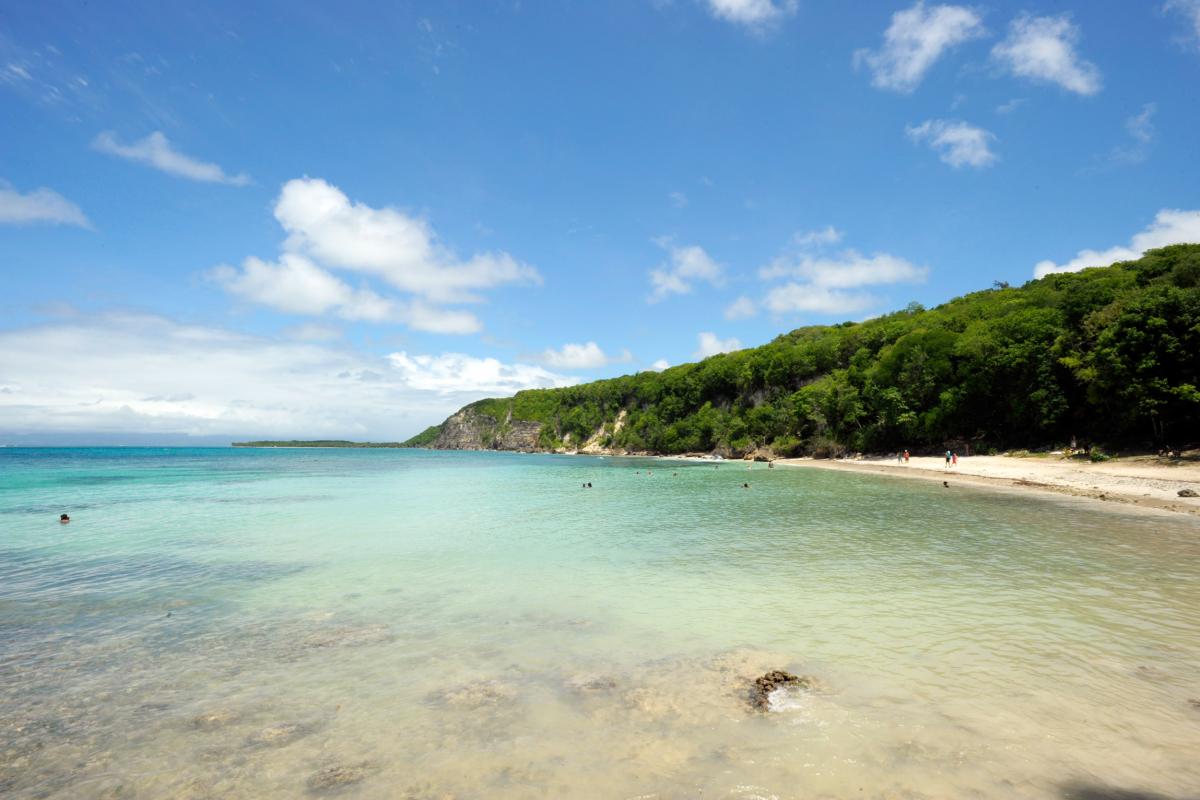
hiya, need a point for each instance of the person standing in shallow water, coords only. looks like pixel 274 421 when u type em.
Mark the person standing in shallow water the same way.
pixel 63 519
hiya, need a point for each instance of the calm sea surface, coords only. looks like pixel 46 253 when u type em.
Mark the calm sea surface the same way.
pixel 404 624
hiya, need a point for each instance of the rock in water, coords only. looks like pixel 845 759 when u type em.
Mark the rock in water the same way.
pixel 1188 493
pixel 338 776
pixel 760 693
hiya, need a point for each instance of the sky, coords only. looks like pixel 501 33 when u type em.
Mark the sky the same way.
pixel 315 220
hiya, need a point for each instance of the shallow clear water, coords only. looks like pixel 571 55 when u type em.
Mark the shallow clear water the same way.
pixel 380 623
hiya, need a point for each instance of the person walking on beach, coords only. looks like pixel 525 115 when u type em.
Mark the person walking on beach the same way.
pixel 948 459
pixel 906 456
pixel 954 459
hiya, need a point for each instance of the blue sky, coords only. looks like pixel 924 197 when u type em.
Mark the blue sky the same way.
pixel 306 220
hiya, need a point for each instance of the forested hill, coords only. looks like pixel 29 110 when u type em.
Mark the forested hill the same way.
pixel 1110 355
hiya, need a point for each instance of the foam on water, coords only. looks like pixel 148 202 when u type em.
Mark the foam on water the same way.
pixel 423 625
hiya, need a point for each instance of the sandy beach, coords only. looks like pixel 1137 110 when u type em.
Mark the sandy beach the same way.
pixel 1140 480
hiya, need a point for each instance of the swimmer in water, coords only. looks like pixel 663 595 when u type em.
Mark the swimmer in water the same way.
pixel 745 486
pixel 63 519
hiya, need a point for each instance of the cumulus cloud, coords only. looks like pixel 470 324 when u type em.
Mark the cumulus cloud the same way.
pixel 833 284
pixel 296 285
pixel 915 40
pixel 1170 226
pixel 684 267
pixel 327 231
pixel 156 151
pixel 678 199
pixel 791 298
pixel 742 308
pixel 660 365
pixel 1043 49
pixel 751 13
pixel 39 205
pixel 147 374
pixel 957 143
pixel 581 356
pixel 323 223
pixel 848 270
pixel 452 373
pixel 709 344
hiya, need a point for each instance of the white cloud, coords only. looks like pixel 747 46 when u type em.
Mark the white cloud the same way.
pixel 298 286
pixel 742 308
pixel 660 365
pixel 324 224
pixel 751 13
pixel 157 151
pixel 678 199
pixel 146 374
pixel 39 205
pixel 1043 49
pixel 1010 106
pixel 581 356
pixel 1191 10
pixel 957 143
pixel 833 284
pixel 313 332
pixel 686 266
pixel 326 231
pixel 848 270
pixel 792 298
pixel 452 373
pixel 710 345
pixel 822 236
pixel 1170 226
pixel 435 319
pixel 915 40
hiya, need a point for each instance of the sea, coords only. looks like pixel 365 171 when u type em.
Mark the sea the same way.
pixel 282 623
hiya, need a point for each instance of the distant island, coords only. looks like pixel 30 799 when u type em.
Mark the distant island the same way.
pixel 319 443
pixel 1104 357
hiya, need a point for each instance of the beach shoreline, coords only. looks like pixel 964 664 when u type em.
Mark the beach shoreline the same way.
pixel 1132 482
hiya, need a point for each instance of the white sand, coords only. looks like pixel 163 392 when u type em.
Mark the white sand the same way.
pixel 1142 480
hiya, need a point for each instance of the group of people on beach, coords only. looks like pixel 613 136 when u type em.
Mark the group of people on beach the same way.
pixel 951 458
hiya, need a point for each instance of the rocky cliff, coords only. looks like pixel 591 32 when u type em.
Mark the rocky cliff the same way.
pixel 470 429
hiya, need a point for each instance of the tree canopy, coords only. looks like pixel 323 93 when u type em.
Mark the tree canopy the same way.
pixel 1108 355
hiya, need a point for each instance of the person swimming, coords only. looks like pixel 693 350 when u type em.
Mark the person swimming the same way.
pixel 63 519
pixel 745 486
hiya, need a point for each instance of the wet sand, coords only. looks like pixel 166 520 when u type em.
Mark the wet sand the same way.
pixel 1139 481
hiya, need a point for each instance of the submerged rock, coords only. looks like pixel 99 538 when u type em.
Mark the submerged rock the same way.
pixel 277 735
pixel 337 776
pixel 214 719
pixel 477 694
pixel 760 692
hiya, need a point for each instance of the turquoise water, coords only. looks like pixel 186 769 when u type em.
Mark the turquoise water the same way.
pixel 381 623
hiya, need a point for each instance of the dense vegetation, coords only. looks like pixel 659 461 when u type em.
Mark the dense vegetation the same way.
pixel 318 443
pixel 1109 355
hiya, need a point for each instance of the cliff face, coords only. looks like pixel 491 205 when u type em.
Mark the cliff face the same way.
pixel 469 429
